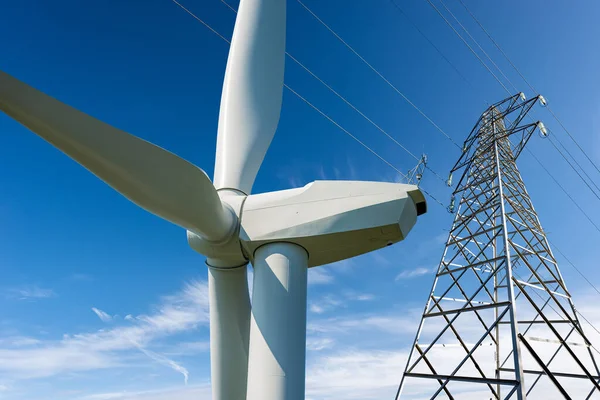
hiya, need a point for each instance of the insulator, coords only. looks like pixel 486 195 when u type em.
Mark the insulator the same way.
pixel 451 206
pixel 419 177
pixel 542 128
pixel 542 100
pixel 522 96
pixel 449 181
pixel 464 149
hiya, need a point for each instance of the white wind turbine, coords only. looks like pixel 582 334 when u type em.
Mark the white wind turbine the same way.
pixel 258 353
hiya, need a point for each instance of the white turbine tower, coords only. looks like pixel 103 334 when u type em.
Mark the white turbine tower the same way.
pixel 258 353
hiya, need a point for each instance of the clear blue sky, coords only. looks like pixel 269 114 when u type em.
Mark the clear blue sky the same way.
pixel 69 243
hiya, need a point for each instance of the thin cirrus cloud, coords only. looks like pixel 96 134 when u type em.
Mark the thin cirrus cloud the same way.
pixel 27 292
pixel 104 316
pixel 109 348
pixel 413 273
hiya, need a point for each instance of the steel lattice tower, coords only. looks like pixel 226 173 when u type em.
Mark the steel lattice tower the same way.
pixel 499 322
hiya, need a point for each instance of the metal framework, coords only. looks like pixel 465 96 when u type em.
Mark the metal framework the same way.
pixel 499 322
pixel 415 174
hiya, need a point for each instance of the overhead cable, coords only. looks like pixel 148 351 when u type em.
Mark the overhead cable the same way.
pixel 390 84
pixel 529 151
pixel 515 88
pixel 405 15
pixel 477 44
pixel 574 267
pixel 572 167
pixel 528 84
pixel 563 189
pixel 469 46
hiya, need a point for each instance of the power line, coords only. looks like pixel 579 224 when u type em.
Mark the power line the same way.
pixel 401 11
pixel 362 114
pixel 477 43
pixel 378 73
pixel 528 84
pixel 529 151
pixel 511 83
pixel 572 167
pixel 228 5
pixel 563 189
pixel 574 267
pixel 469 46
pixel 201 21
pixel 572 138
pixel 574 160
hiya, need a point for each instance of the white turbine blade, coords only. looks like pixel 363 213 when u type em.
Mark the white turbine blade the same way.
pixel 151 177
pixel 252 91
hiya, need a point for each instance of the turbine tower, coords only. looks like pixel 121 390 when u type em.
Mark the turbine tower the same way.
pixel 257 353
pixel 499 322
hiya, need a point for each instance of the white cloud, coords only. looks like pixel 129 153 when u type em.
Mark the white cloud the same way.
pixel 315 308
pixel 19 341
pixel 355 374
pixel 104 317
pixel 30 292
pixel 166 361
pixel 192 392
pixel 103 349
pixel 352 295
pixel 318 344
pixel 326 303
pixel 413 273
pixel 331 302
pixel 318 276
pixel 187 348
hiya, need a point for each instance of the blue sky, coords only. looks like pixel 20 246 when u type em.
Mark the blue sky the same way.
pixel 70 245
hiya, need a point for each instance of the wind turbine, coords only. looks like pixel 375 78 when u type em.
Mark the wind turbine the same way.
pixel 259 352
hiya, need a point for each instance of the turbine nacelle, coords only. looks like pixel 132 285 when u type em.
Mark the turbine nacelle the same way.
pixel 331 220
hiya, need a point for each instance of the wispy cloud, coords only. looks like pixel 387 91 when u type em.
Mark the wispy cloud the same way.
pixel 165 361
pixel 29 292
pixel 187 348
pixel 319 276
pixel 106 348
pixel 318 344
pixel 104 317
pixel 355 374
pixel 191 392
pixel 325 303
pixel 331 302
pixel 352 295
pixel 413 273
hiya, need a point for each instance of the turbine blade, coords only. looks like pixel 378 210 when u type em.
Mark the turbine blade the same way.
pixel 151 177
pixel 252 92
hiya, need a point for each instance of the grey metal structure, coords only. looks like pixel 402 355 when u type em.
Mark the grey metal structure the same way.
pixel 499 322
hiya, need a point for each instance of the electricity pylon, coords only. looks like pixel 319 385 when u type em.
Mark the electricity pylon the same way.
pixel 499 322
